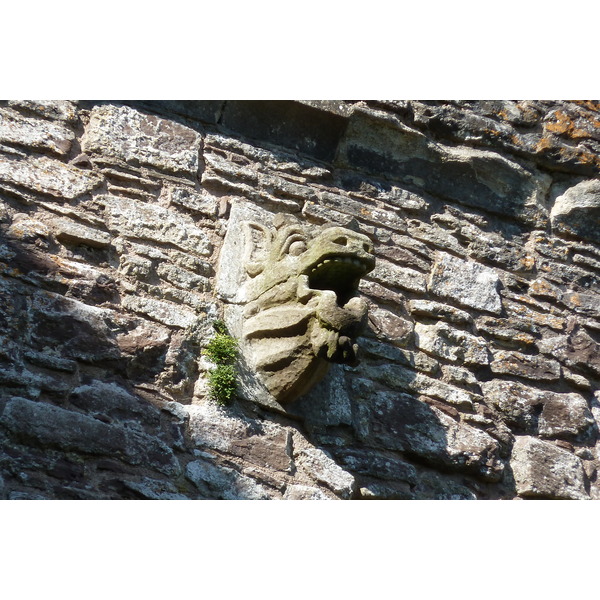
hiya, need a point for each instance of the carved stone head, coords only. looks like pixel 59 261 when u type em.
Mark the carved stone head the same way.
pixel 298 307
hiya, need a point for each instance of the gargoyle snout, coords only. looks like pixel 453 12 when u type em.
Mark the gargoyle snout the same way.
pixel 347 242
pixel 353 244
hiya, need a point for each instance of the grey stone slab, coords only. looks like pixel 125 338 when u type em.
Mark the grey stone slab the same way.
pixel 470 284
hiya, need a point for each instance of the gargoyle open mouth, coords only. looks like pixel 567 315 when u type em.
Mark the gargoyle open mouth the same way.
pixel 340 274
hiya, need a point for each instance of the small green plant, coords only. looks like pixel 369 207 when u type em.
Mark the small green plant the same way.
pixel 222 383
pixel 220 327
pixel 222 350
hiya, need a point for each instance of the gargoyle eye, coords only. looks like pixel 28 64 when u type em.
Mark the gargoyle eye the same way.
pixel 297 247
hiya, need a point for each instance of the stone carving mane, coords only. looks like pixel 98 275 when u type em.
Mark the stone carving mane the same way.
pixel 301 311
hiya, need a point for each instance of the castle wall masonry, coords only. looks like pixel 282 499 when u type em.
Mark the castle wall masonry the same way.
pixel 480 362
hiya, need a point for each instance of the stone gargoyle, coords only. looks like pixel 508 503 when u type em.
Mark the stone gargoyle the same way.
pixel 299 310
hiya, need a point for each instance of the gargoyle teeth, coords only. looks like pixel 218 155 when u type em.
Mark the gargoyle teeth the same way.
pixel 342 259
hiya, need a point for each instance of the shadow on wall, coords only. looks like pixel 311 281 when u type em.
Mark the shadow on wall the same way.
pixel 71 424
pixel 400 444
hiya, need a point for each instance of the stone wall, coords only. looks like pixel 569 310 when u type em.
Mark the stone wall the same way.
pixel 480 372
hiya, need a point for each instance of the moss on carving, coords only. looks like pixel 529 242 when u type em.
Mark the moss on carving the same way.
pixel 222 350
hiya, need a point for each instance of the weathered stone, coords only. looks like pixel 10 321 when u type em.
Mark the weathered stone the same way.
pixel 28 230
pixel 577 350
pixel 61 110
pixel 542 470
pixel 454 345
pixel 417 360
pixel 201 202
pixel 378 141
pixel 577 211
pixel 433 486
pixel 401 422
pixel 163 312
pixel 51 426
pixel 469 284
pixel 79 331
pixel 304 492
pixel 363 211
pixel 322 468
pixel 183 278
pixel 524 315
pixel 403 256
pixel 155 489
pixel 504 331
pixel 538 412
pixel 523 365
pixel 402 379
pixel 389 274
pixel 48 361
pixel 270 450
pixel 390 327
pixel 377 490
pixel 297 127
pixel 48 176
pixel 72 232
pixel 436 310
pixel 35 133
pixel 111 400
pixel 581 303
pixel 458 375
pixel 565 415
pixel 134 219
pixel 376 464
pixel 137 138
pixel 212 427
pixel 328 403
pixel 224 483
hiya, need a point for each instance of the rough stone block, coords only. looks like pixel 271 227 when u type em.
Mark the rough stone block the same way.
pixel 469 284
pixel 543 470
pixel 113 401
pixel 34 133
pixel 200 202
pixel 134 219
pixel 74 329
pixel 436 310
pixel 454 345
pixel 363 211
pixel 183 278
pixel 212 427
pixel 379 142
pixel 535 411
pixel 54 427
pixel 72 232
pixel 61 110
pixel 523 365
pixel 325 470
pixel 401 422
pixel 48 176
pixel 304 492
pixel 289 124
pixel 224 483
pixel 142 139
pixel 565 416
pixel 389 326
pixel 577 211
pixel 391 275
pixel 166 313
